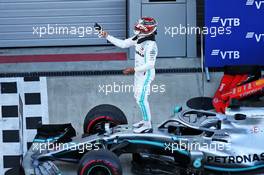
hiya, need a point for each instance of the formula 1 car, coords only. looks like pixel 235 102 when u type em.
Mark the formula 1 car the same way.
pixel 239 84
pixel 190 142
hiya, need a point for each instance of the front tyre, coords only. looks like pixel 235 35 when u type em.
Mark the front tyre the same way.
pixel 97 117
pixel 101 162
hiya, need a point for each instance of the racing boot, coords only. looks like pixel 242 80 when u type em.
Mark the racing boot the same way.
pixel 145 128
pixel 138 124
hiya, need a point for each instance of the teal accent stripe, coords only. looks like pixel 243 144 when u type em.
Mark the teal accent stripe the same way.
pixel 49 139
pixel 145 142
pixel 158 144
pixel 39 140
pixel 142 97
pixel 143 111
pixel 46 140
pixel 233 169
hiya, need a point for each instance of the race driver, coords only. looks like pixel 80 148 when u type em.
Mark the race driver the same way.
pixel 144 71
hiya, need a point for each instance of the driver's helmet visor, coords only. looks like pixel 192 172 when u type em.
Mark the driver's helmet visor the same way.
pixel 145 27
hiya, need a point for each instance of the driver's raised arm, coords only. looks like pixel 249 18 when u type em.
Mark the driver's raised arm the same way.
pixel 121 43
pixel 117 42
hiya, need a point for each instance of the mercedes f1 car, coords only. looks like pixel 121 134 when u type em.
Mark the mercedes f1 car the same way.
pixel 190 142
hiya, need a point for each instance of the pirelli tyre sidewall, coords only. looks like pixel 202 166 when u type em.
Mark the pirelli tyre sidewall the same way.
pixel 103 162
pixel 99 115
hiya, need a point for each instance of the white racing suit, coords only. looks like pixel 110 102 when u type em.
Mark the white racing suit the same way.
pixel 145 58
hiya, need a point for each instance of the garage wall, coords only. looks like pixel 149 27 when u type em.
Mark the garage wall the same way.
pixel 171 16
pixel 18 17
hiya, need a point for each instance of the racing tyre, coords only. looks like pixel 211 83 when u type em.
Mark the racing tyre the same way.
pixel 96 118
pixel 101 162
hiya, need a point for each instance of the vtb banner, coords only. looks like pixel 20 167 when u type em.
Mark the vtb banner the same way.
pixel 235 33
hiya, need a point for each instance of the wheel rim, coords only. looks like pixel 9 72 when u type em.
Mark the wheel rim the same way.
pixel 99 170
pixel 98 126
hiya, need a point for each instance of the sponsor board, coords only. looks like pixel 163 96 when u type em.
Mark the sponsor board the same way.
pixel 244 45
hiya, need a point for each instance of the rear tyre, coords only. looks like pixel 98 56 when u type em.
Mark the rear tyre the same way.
pixel 96 118
pixel 101 162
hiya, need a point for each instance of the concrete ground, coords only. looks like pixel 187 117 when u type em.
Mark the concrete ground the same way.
pixel 70 98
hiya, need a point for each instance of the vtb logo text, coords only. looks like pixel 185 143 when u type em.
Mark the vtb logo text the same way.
pixel 225 22
pixel 231 54
pixel 258 4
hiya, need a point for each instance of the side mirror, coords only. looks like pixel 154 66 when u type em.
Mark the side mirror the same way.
pixel 177 109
